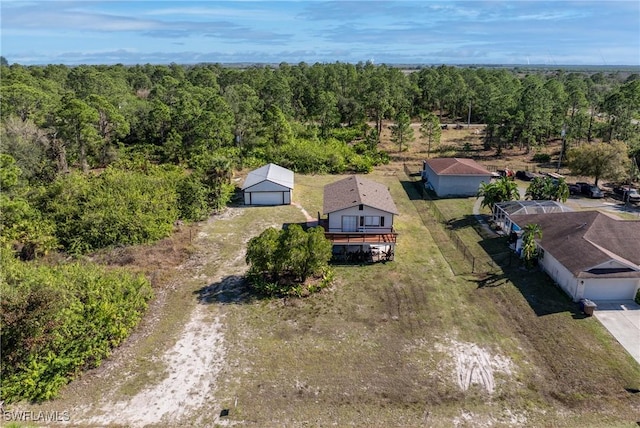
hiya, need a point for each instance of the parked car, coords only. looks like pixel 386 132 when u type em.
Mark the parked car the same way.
pixel 627 193
pixel 590 190
pixel 527 175
pixel 575 189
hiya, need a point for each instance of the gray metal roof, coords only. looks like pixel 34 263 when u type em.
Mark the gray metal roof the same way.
pixel 270 172
pixel 355 190
pixel 532 207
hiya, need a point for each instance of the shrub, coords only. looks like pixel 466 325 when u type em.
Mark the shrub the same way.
pixel 57 321
pixel 542 158
pixel 281 261
pixel 192 198
pixel 114 208
pixel 638 297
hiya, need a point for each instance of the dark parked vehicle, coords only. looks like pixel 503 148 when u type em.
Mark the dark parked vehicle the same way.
pixel 527 175
pixel 627 193
pixel 575 189
pixel 590 190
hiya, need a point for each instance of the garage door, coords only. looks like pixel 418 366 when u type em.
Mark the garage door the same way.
pixel 610 289
pixel 267 198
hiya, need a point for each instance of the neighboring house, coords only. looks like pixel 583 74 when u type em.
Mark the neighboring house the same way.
pixel 589 254
pixel 454 176
pixel 360 215
pixel 502 211
pixel 268 185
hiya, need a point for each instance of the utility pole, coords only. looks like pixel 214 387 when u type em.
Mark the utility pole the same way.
pixel 564 134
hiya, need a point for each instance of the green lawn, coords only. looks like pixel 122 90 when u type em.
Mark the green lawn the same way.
pixel 404 343
pixel 378 348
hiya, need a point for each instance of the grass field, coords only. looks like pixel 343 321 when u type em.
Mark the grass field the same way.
pixel 380 347
pixel 419 341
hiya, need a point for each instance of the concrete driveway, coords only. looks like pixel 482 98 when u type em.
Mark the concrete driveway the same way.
pixel 622 319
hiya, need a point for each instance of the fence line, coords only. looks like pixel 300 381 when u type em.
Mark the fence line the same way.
pixel 435 216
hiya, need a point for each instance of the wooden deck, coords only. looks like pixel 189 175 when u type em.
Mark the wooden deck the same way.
pixel 355 238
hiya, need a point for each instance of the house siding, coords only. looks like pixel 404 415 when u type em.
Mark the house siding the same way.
pixel 453 185
pixel 267 186
pixel 561 275
pixel 335 219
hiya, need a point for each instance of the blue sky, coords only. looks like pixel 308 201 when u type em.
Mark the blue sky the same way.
pixel 392 32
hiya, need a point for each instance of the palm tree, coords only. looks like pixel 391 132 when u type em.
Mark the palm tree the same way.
pixel 504 189
pixel 562 191
pixel 529 246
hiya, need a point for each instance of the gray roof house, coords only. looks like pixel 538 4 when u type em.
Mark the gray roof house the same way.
pixel 360 214
pixel 589 254
pixel 268 185
pixel 454 176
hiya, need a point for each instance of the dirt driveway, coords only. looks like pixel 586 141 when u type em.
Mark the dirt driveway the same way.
pixel 622 319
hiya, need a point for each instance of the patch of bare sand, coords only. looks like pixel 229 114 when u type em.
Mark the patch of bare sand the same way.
pixel 193 364
pixel 475 365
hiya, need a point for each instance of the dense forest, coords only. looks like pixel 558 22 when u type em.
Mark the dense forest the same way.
pixel 99 156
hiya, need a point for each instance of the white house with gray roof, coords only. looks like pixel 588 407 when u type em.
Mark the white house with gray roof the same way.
pixel 360 215
pixel 268 185
pixel 589 254
pixel 356 204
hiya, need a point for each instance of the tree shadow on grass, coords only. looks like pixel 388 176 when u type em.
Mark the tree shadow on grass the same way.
pixel 544 296
pixel 233 289
pixel 468 220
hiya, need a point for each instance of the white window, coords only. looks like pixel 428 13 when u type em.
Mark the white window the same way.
pixel 349 223
pixel 372 221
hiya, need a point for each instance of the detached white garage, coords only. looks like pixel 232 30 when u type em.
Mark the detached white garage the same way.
pixel 268 185
pixel 454 176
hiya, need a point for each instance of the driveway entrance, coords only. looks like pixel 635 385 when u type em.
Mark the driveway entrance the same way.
pixel 622 319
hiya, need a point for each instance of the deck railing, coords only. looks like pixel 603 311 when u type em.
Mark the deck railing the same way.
pixel 361 238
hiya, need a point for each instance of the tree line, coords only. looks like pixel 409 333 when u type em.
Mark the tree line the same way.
pixel 89 116
pixel 100 156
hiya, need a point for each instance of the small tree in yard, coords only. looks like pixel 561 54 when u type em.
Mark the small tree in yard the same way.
pixel 600 160
pixel 430 129
pixel 261 254
pixel 529 246
pixel 401 131
pixel 544 188
pixel 283 260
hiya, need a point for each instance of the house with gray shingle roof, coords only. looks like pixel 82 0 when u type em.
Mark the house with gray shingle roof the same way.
pixel 359 216
pixel 454 176
pixel 589 254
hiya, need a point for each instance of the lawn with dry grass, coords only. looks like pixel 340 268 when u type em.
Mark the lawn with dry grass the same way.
pixel 406 343
pixel 382 347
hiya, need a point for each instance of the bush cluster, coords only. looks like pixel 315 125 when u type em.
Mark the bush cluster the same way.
pixel 542 158
pixel 282 260
pixel 58 321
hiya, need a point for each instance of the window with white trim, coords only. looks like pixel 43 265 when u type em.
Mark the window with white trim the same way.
pixel 372 221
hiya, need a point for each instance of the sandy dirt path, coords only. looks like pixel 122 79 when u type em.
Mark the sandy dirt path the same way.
pixel 192 366
pixel 185 393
